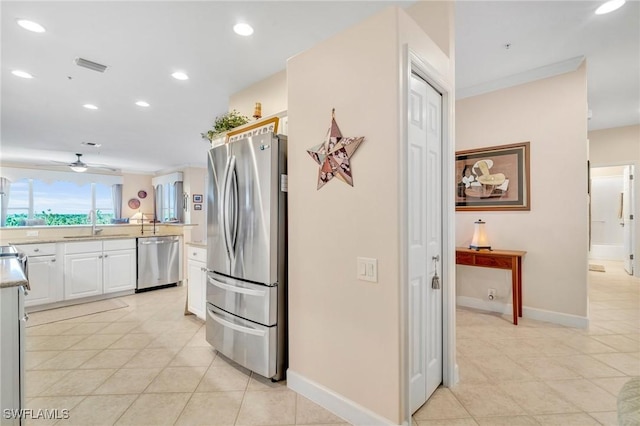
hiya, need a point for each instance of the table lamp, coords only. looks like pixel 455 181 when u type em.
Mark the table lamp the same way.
pixel 479 240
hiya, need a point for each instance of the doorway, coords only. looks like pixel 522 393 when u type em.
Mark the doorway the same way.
pixel 612 212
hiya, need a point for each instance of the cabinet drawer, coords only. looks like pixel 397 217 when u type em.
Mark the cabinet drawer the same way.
pixel 46 249
pixel 83 247
pixel 254 302
pixel 247 343
pixel 197 253
pixel 493 262
pixel 464 258
pixel 129 243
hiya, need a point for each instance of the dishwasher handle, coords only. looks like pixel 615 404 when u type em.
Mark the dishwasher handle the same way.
pixel 159 242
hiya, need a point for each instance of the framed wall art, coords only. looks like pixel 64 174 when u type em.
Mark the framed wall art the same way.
pixel 197 206
pixel 197 198
pixel 493 178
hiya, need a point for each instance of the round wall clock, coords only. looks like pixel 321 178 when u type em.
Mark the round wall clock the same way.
pixel 142 194
pixel 134 203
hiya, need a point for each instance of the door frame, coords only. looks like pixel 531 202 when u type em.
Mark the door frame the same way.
pixel 636 207
pixel 412 62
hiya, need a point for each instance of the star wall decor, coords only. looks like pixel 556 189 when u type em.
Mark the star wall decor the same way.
pixel 333 155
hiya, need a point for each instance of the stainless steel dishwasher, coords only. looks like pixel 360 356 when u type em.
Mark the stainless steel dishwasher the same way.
pixel 158 262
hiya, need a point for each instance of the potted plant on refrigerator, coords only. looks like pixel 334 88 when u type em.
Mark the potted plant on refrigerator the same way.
pixel 223 123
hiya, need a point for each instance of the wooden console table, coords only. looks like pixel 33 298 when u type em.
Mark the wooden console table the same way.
pixel 501 259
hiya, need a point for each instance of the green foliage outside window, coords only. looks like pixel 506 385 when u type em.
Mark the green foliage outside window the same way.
pixel 18 219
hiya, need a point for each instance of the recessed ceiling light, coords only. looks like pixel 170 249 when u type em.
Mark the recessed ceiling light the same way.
pixel 90 106
pixel 609 6
pixel 21 74
pixel 31 26
pixel 243 29
pixel 179 75
pixel 142 104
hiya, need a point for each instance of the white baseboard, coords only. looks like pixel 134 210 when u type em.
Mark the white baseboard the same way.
pixel 334 402
pixel 567 320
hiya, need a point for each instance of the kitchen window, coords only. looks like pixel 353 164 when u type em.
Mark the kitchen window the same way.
pixel 35 202
pixel 169 197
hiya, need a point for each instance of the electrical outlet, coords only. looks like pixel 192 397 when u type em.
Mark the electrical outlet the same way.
pixel 492 294
pixel 32 233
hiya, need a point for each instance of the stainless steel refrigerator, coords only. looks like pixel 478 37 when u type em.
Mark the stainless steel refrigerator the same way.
pixel 246 257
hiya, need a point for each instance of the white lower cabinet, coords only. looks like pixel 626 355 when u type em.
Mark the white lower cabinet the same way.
pixel 197 281
pixel 45 274
pixel 119 270
pixel 92 268
pixel 82 275
pixel 46 287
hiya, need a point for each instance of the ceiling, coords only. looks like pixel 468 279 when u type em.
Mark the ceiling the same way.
pixel 142 43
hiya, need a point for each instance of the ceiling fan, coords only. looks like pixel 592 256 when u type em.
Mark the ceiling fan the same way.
pixel 80 166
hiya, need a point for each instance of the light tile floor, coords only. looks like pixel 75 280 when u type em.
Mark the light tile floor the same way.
pixel 148 364
pixel 541 373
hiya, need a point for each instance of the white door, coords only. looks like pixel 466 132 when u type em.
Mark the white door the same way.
pixel 425 239
pixel 119 268
pixel 43 281
pixel 628 219
pixel 196 283
pixel 82 275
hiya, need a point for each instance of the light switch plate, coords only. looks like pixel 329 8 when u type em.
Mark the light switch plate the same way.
pixel 367 269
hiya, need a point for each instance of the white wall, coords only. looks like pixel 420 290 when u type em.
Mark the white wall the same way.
pixel 617 146
pixel 345 334
pixel 551 114
pixel 194 183
pixel 131 185
pixel 270 92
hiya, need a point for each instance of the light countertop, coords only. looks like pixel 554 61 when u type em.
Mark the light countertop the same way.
pixel 69 239
pixel 11 274
pixel 197 244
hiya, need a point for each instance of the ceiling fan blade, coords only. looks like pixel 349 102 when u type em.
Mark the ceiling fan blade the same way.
pixel 103 167
pixel 81 163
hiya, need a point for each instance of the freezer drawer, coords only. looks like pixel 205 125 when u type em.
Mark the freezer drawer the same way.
pixel 254 302
pixel 249 344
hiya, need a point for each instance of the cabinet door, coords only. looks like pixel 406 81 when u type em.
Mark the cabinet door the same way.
pixel 119 270
pixel 43 280
pixel 195 288
pixel 82 275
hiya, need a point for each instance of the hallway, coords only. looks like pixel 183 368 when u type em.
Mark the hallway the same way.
pixel 541 373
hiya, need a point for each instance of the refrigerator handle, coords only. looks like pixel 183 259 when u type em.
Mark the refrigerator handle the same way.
pixel 229 242
pixel 235 206
pixel 223 203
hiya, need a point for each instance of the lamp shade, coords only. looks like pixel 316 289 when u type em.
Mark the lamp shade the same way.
pixel 137 218
pixel 480 239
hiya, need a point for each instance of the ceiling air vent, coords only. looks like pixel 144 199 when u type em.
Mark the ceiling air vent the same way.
pixel 90 65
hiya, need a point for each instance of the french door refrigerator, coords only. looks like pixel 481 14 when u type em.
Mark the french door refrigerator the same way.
pixel 246 258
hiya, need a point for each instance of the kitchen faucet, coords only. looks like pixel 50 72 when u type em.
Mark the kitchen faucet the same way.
pixel 92 218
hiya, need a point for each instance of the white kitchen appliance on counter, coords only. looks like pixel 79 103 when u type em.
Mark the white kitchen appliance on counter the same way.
pixel 246 258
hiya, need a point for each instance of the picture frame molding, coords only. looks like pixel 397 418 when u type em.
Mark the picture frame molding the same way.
pixel 526 174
